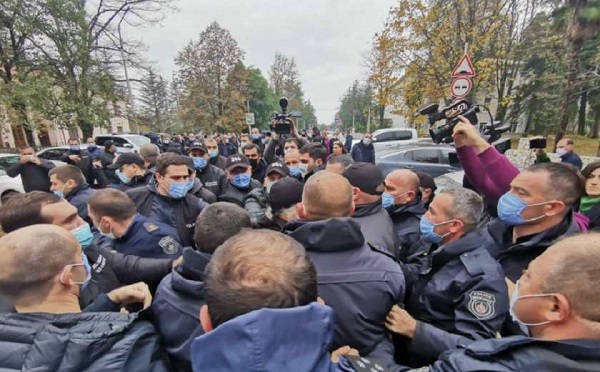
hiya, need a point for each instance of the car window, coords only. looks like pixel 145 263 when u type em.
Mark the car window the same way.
pixel 101 140
pixel 385 136
pixel 446 156
pixel 119 142
pixel 425 156
pixel 52 154
pixel 139 140
pixel 8 161
pixel 402 135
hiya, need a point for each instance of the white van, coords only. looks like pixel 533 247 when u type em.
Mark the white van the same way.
pixel 393 137
pixel 123 142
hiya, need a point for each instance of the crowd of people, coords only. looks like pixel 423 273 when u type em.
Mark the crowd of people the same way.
pixel 269 252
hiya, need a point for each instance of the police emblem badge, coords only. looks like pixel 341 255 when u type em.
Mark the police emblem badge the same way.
pixel 168 244
pixel 481 304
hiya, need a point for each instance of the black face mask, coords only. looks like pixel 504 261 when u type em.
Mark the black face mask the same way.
pixel 254 163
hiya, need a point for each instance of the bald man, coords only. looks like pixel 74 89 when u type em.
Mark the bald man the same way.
pixel 402 200
pixel 360 282
pixel 557 301
pixel 42 271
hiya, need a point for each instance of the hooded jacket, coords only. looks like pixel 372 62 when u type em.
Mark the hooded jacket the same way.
pixel 78 342
pixel 179 213
pixel 295 339
pixel 377 227
pixel 177 304
pixel 406 219
pixel 359 282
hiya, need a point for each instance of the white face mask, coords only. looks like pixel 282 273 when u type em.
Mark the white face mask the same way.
pixel 513 301
pixel 561 151
pixel 303 168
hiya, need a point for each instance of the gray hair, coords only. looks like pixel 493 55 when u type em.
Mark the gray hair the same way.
pixel 467 206
pixel 344 160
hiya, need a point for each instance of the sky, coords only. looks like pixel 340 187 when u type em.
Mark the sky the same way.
pixel 328 39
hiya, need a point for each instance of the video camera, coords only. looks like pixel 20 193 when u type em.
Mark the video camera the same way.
pixel 281 121
pixel 443 133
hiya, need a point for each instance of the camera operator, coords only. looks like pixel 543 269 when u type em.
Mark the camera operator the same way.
pixel 276 147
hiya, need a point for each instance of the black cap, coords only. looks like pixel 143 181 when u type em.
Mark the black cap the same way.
pixel 366 176
pixel 285 193
pixel 127 158
pixel 198 146
pixel 426 181
pixel 279 168
pixel 236 161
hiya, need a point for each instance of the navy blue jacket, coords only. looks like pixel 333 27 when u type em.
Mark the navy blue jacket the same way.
pixel 79 342
pixel 213 179
pixel 573 159
pixel 406 219
pixel 295 339
pixel 260 171
pixel 137 181
pixel 178 213
pixel 363 153
pixel 79 198
pixel 515 257
pixel 348 143
pixel 377 227
pixel 457 293
pixel 359 282
pixel 177 304
pixel 232 194
pixel 519 353
pixel 146 238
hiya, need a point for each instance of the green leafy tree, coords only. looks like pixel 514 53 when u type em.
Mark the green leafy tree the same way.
pixel 263 102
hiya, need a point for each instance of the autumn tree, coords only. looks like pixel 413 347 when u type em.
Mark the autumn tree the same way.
pixel 284 80
pixel 263 102
pixel 154 101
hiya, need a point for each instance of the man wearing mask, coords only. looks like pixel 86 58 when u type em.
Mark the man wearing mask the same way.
pixel 49 331
pixel 127 232
pixel 109 269
pixel 557 302
pixel 213 178
pixel 167 200
pixel 402 200
pixel 67 181
pixel 33 171
pixel 244 141
pixel 100 180
pixel 256 138
pixel 367 186
pixel 564 149
pixel 131 170
pixel 241 183
pixel 79 158
pixel 213 152
pixel 257 201
pixel 259 165
pixel 189 141
pixel 364 151
pixel 456 291
pixel 313 158
pixel 106 159
pixel 292 161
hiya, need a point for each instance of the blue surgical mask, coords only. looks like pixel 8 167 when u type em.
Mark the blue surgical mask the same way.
pixel 75 148
pixel 387 199
pixel 427 230
pixel 295 172
pixel 124 179
pixel 213 153
pixel 92 147
pixel 190 184
pixel 513 314
pixel 255 136
pixel 59 193
pixel 199 163
pixel 510 208
pixel 241 181
pixel 178 190
pixel 83 234
pixel 109 234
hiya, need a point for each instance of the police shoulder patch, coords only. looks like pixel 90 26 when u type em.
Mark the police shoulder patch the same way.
pixel 168 244
pixel 150 227
pixel 481 304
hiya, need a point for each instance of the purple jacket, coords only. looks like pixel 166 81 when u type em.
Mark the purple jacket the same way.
pixel 491 174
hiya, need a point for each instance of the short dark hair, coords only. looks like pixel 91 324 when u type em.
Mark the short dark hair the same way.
pixel 217 223
pixel 589 169
pixel 258 269
pixel 25 209
pixel 292 140
pixel 315 151
pixel 167 159
pixel 73 139
pixel 567 184
pixel 251 146
pixel 112 203
pixel 68 172
pixel 344 160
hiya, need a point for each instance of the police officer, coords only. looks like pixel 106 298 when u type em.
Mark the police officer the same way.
pixel 115 217
pixel 212 177
pixel 456 290
pixel 241 183
pixel 131 170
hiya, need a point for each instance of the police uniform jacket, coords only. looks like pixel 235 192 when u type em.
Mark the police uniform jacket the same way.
pixel 516 256
pixel 146 238
pixel 219 162
pixel 520 353
pixel 360 283
pixel 457 294
pixel 406 219
pixel 238 196
pixel 213 179
pixel 137 181
pixel 178 213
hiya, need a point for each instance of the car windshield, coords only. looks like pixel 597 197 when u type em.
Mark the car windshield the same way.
pixel 138 140
pixel 7 161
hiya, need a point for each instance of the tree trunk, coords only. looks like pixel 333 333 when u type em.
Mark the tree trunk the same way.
pixel 595 131
pixel 87 129
pixel 381 116
pixel 568 91
pixel 582 113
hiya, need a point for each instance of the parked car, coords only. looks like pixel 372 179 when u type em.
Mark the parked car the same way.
pixel 450 180
pixel 435 160
pixel 54 153
pixel 123 142
pixel 8 185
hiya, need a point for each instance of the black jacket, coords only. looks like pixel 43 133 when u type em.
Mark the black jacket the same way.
pixel 179 213
pixel 406 219
pixel 362 153
pixel 79 198
pixel 174 147
pixel 34 177
pixel 106 159
pixel 213 179
pixel 377 227
pixel 85 163
pixel 260 171
pixel 137 181
pixel 594 216
pixel 238 196
pixel 79 342
pixel 219 162
pixel 202 192
pixel 256 205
